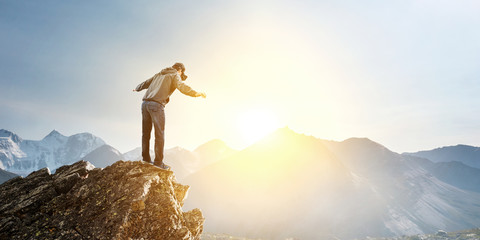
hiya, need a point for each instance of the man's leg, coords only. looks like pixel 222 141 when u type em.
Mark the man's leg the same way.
pixel 158 119
pixel 146 130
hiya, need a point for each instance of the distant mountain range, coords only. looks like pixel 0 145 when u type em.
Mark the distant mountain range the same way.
pixel 5 175
pixel 290 185
pixel 470 234
pixel 19 156
pixel 465 154
pixel 54 150
pixel 184 162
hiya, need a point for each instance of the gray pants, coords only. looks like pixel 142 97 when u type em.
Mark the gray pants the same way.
pixel 153 113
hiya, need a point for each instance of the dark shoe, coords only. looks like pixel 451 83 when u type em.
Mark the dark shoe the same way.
pixel 166 167
pixel 162 166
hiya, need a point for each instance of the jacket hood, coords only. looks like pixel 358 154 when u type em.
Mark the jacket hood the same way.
pixel 168 70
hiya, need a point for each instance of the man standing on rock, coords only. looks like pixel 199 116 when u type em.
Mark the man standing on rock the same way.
pixel 159 88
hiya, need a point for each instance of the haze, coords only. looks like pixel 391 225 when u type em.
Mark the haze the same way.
pixel 403 73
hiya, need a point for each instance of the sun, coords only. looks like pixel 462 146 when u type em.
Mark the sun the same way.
pixel 255 124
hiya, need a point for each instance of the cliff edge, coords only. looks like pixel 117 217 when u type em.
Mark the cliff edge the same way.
pixel 127 200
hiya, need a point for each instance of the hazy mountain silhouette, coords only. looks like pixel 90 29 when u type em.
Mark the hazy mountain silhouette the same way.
pixel 103 156
pixel 417 201
pixel 454 173
pixel 5 176
pixel 184 162
pixel 275 188
pixel 367 157
pixel 468 155
pixel 292 185
pixel 212 151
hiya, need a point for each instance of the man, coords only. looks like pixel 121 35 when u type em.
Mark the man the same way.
pixel 159 88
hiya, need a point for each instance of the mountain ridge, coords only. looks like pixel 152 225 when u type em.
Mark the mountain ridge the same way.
pixel 5 176
pixel 395 194
pixel 185 162
pixel 22 156
pixel 469 155
pixel 392 195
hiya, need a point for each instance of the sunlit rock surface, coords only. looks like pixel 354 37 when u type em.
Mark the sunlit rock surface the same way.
pixel 128 200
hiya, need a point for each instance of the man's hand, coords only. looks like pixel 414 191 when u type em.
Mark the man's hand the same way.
pixel 201 94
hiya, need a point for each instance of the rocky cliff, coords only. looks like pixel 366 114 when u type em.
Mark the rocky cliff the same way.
pixel 128 200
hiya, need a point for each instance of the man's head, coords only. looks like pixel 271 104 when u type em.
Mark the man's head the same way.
pixel 180 69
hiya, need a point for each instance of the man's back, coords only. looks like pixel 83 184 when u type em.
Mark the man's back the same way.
pixel 160 88
pixel 162 85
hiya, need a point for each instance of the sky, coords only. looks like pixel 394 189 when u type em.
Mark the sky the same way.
pixel 402 73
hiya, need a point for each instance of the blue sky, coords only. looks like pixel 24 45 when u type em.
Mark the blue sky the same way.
pixel 402 73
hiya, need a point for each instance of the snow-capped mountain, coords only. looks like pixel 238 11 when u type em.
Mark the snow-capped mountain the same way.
pixel 54 150
pixel 9 148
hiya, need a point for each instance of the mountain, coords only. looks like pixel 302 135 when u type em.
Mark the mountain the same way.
pixel 182 161
pixel 103 156
pixel 274 189
pixel 4 176
pixel 7 134
pixel 185 162
pixel 212 151
pixel 454 173
pixel 290 185
pixel 135 154
pixel 367 158
pixel 415 200
pixel 468 155
pixel 470 234
pixel 9 148
pixel 127 200
pixel 54 150
pixel 293 185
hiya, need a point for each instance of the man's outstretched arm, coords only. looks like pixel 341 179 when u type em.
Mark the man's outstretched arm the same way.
pixel 144 85
pixel 187 90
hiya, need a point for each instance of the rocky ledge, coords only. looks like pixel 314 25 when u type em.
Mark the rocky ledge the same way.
pixel 128 200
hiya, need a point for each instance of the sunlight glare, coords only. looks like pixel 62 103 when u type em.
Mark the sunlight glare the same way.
pixel 256 124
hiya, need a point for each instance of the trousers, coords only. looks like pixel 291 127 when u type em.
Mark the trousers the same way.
pixel 153 113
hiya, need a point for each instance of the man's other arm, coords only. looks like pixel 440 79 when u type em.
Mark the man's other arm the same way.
pixel 144 85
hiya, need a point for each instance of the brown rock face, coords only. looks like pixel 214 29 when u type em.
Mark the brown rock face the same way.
pixel 128 200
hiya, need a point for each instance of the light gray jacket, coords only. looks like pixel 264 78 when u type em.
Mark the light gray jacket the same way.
pixel 162 85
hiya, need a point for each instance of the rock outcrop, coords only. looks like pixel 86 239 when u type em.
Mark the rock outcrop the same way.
pixel 128 200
